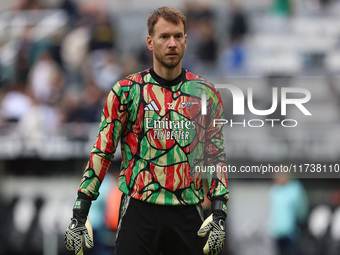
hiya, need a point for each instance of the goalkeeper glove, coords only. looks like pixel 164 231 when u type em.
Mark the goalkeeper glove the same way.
pixel 215 223
pixel 79 228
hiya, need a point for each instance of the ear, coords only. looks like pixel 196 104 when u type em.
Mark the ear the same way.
pixel 185 43
pixel 149 42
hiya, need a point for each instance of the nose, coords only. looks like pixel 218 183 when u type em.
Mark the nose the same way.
pixel 172 42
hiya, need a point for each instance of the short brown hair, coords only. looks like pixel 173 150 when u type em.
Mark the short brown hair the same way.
pixel 169 14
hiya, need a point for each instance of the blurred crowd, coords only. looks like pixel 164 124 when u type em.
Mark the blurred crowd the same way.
pixel 64 77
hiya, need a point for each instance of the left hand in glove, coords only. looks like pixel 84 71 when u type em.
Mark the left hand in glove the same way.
pixel 215 224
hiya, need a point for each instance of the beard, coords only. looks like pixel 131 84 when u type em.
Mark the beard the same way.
pixel 171 63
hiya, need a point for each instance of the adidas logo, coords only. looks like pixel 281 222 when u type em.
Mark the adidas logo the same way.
pixel 151 106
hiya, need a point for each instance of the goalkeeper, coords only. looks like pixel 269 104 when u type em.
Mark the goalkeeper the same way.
pixel 160 210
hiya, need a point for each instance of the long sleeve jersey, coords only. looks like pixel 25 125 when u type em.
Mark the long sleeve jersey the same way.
pixel 167 141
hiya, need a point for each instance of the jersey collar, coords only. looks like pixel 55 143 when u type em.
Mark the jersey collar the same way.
pixel 165 82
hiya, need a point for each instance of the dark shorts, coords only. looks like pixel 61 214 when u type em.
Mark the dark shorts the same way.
pixel 149 229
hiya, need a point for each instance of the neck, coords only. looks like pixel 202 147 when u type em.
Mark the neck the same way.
pixel 168 73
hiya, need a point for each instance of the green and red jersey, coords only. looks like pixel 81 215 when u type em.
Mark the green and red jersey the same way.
pixel 165 140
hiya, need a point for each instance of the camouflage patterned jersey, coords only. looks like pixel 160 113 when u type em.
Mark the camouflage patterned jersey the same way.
pixel 167 141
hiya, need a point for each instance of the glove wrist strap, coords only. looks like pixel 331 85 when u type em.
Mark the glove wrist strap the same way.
pixel 81 209
pixel 219 206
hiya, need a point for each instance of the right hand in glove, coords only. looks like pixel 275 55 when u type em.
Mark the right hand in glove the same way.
pixel 79 228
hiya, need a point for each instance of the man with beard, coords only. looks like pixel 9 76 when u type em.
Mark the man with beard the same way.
pixel 160 210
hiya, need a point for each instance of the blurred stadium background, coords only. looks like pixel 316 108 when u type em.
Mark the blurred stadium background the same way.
pixel 59 59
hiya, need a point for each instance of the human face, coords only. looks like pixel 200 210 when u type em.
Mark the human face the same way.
pixel 168 44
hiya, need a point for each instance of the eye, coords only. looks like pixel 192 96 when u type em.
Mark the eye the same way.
pixel 179 36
